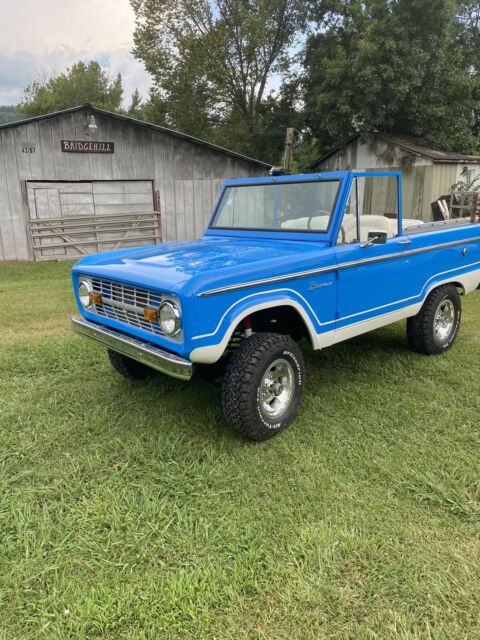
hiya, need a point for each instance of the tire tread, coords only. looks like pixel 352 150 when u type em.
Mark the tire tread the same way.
pixel 419 327
pixel 128 368
pixel 239 411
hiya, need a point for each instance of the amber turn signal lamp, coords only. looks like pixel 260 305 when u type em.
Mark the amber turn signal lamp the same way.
pixel 96 298
pixel 150 314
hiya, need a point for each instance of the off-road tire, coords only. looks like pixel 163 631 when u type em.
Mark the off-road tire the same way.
pixel 241 399
pixel 420 328
pixel 128 368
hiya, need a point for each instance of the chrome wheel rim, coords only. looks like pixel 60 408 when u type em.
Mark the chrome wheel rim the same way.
pixel 444 320
pixel 276 388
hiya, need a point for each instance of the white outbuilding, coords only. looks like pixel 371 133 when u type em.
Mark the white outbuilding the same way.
pixel 428 174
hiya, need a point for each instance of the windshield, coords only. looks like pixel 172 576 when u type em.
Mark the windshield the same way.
pixel 291 206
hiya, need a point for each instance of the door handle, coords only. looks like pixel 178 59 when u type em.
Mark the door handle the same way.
pixel 404 242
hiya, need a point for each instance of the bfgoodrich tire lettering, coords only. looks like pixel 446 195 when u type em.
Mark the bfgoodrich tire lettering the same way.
pixel 434 329
pixel 266 365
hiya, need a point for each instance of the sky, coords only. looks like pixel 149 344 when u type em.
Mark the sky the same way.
pixel 45 36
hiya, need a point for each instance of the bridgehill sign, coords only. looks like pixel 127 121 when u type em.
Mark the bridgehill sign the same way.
pixel 88 146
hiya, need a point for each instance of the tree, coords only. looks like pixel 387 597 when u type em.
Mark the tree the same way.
pixel 136 108
pixel 470 180
pixel 9 114
pixel 469 18
pixel 398 66
pixel 279 111
pixel 212 60
pixel 83 82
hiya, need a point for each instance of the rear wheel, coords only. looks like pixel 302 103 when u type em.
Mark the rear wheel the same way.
pixel 128 368
pixel 434 329
pixel 263 385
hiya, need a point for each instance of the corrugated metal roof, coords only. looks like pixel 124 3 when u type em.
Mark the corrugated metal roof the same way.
pixel 138 123
pixel 411 144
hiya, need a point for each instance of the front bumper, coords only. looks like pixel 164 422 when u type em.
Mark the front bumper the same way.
pixel 148 354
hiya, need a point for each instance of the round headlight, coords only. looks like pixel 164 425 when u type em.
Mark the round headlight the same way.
pixel 169 318
pixel 85 294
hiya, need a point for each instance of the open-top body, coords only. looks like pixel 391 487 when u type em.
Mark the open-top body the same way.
pixel 294 255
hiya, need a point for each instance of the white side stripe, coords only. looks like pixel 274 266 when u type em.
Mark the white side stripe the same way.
pixel 261 293
pixel 353 315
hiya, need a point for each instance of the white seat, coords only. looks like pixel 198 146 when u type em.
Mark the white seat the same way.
pixel 406 222
pixel 299 223
pixel 373 223
pixel 392 227
pixel 319 223
pixel 367 223
pixel 382 223
pixel 349 227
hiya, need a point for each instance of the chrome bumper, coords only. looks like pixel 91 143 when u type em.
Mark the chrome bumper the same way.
pixel 144 352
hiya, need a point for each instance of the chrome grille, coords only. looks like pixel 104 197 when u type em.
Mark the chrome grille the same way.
pixel 125 303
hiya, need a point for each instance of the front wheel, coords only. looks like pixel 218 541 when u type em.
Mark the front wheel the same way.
pixel 263 385
pixel 128 368
pixel 434 329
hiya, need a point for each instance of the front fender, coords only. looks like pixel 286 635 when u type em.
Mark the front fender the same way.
pixel 209 346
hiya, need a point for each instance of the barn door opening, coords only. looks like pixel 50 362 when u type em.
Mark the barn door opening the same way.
pixel 71 219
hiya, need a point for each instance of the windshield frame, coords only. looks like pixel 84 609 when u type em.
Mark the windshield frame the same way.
pixel 268 232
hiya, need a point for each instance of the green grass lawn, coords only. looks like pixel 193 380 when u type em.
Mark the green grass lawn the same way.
pixel 129 511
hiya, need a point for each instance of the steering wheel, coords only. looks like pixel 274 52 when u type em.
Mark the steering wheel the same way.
pixel 315 214
pixel 343 234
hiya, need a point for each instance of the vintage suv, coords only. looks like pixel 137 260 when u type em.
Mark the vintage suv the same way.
pixel 323 256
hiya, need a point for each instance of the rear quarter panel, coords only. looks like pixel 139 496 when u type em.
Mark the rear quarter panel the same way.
pixel 450 255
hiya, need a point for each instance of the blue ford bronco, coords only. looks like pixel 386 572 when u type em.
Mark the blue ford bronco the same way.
pixel 322 257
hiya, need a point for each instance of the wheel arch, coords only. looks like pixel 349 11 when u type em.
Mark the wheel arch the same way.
pixel 460 287
pixel 285 319
pixel 465 283
pixel 234 317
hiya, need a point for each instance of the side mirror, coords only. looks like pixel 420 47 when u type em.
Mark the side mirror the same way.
pixel 375 237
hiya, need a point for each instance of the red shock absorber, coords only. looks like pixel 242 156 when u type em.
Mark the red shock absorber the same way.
pixel 247 326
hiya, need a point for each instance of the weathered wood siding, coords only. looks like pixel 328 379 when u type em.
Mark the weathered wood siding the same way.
pixel 423 183
pixel 186 175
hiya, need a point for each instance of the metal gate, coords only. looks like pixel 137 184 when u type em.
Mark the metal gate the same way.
pixel 72 219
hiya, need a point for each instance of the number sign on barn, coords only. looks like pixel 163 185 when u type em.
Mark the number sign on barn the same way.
pixel 88 146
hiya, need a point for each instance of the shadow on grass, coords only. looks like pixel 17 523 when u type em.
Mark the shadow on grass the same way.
pixel 195 406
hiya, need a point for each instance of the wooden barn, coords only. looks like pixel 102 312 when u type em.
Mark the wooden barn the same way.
pixel 85 180
pixel 427 173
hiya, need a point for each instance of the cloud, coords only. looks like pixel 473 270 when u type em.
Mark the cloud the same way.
pixel 85 25
pixel 132 70
pixel 58 34
pixel 20 68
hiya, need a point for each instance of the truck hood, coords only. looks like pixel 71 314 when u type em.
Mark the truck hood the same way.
pixel 201 263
